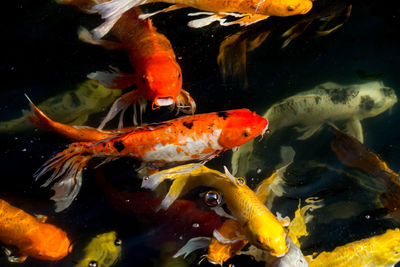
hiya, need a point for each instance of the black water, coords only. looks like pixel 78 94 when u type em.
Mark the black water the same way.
pixel 42 57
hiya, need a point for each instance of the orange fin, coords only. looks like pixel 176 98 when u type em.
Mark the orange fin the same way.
pixel 68 164
pixel 167 9
pixel 113 79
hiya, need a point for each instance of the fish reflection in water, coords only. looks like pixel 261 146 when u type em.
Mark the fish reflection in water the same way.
pixel 309 110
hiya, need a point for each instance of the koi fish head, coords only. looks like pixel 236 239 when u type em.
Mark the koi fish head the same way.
pixel 268 236
pixel 51 243
pixel 162 80
pixel 285 8
pixel 241 126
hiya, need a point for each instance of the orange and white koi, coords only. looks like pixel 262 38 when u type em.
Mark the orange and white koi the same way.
pixel 158 76
pixel 260 226
pixel 247 12
pixel 32 236
pixel 189 138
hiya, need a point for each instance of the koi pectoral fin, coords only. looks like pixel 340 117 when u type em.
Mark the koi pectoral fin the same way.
pixel 167 9
pixel 113 79
pixel 243 19
pixel 185 103
pixel 192 245
pixel 14 257
pixel 85 36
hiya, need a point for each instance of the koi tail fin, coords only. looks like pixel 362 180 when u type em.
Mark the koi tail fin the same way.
pixel 179 175
pixel 193 244
pixel 121 105
pixel 67 166
pixel 185 103
pixel 111 11
pixel 38 118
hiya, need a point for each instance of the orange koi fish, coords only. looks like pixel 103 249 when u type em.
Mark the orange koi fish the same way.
pixel 32 236
pixel 353 154
pixel 190 138
pixel 158 77
pixel 247 12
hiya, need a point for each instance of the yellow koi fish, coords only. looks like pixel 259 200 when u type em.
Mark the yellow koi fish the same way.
pixel 259 225
pixel 102 251
pixel 381 250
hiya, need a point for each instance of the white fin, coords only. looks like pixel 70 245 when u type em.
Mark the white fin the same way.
pixel 221 212
pixel 192 245
pixel 199 23
pixel 151 182
pixel 230 176
pixel 293 258
pixel 354 128
pixel 223 240
pixel 111 11
pixel 308 131
pixel 106 78
pixel 287 156
pixel 256 253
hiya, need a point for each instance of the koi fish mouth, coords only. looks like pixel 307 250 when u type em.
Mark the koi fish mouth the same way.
pixel 164 101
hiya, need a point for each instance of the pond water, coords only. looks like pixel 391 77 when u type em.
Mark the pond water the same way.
pixel 43 58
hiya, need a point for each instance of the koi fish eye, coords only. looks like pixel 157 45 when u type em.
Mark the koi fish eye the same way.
pixel 117 242
pixel 212 198
pixel 240 181
pixel 179 74
pixel 290 8
pixel 144 79
pixel 93 264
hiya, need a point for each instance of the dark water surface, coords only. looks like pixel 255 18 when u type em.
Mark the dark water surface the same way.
pixel 43 57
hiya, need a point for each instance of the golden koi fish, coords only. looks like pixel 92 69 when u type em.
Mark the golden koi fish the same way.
pixel 259 225
pixel 380 250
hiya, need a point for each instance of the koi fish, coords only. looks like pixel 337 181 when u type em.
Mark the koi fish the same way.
pixel 353 154
pixel 232 55
pixel 228 240
pixel 260 226
pixel 329 101
pixel 103 250
pixel 71 107
pixel 189 138
pixel 381 250
pixel 194 221
pixel 158 77
pixel 247 12
pixel 32 236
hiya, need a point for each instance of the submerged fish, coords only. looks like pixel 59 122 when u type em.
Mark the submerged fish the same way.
pixel 32 236
pixel 329 101
pixel 193 220
pixel 103 250
pixel 353 154
pixel 259 225
pixel 248 12
pixel 71 107
pixel 381 250
pixel 189 138
pixel 158 76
